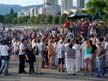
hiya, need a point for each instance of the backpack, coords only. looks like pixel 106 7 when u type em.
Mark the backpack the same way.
pixel 36 50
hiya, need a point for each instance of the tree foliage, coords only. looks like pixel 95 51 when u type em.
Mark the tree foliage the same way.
pixel 48 19
pixel 62 18
pixel 55 20
pixel 97 5
pixel 1 18
pixel 12 18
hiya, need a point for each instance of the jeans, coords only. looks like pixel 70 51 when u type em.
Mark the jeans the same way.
pixel 31 67
pixel 4 65
pixel 21 63
pixel 99 66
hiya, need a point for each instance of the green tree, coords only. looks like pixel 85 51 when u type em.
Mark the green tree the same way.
pixel 14 21
pixel 20 20
pixel 62 18
pixel 32 20
pixel 106 10
pixel 1 18
pixel 11 11
pixel 8 19
pixel 55 20
pixel 37 20
pixel 26 19
pixel 48 19
pixel 95 5
pixel 42 18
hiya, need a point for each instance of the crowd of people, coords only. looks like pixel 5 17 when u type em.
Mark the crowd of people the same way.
pixel 58 47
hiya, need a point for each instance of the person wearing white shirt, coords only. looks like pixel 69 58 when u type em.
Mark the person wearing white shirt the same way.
pixel 66 45
pixel 82 55
pixel 33 43
pixel 39 56
pixel 76 46
pixel 15 48
pixel 22 49
pixel 61 55
pixel 4 57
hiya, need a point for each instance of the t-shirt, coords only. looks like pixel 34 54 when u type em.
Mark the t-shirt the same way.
pixel 60 51
pixel 40 48
pixel 4 50
pixel 106 45
pixel 21 49
pixel 15 46
pixel 88 51
pixel 77 48
pixel 71 53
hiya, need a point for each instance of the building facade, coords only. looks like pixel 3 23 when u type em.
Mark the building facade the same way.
pixel 69 5
pixel 33 11
pixel 66 5
pixel 23 13
pixel 50 7
pixel 30 12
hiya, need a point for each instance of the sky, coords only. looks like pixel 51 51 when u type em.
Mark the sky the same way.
pixel 22 2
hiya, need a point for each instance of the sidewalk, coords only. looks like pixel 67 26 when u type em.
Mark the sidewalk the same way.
pixel 48 75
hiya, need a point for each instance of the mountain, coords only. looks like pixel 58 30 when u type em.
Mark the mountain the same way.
pixel 5 8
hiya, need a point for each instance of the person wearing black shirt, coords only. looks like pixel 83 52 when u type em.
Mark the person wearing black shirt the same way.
pixel 30 59
pixel 93 46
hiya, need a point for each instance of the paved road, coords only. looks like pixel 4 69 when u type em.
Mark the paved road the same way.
pixel 48 75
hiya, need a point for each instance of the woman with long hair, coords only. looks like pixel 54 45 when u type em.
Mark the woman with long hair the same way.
pixel 50 54
pixel 87 56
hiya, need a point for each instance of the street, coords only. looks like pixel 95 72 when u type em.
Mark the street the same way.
pixel 48 75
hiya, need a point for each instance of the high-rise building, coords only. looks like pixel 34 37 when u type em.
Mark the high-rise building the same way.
pixel 78 3
pixel 30 12
pixel 50 7
pixel 33 11
pixel 66 5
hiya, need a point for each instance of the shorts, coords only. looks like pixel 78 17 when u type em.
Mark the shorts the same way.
pixel 87 56
pixel 61 61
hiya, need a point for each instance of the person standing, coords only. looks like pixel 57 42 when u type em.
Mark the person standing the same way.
pixel 100 56
pixel 87 57
pixel 61 55
pixel 22 49
pixel 71 57
pixel 76 46
pixel 39 57
pixel 4 57
pixel 31 59
pixel 15 47
pixel 50 54
pixel 66 45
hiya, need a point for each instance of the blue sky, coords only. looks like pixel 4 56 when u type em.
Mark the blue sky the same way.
pixel 22 2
